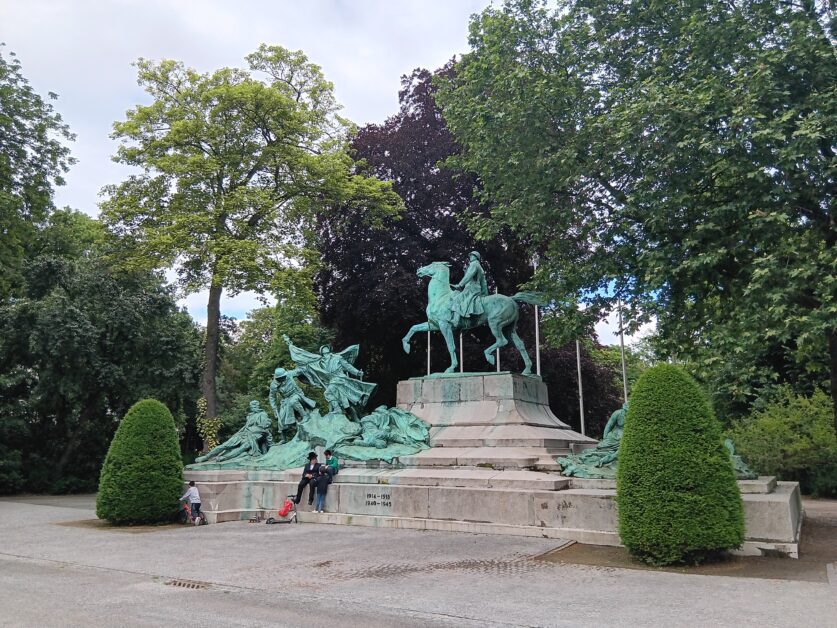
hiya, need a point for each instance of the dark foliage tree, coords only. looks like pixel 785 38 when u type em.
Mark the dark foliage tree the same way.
pixel 80 344
pixel 367 286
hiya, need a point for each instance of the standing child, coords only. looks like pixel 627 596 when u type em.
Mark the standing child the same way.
pixel 323 480
pixel 194 500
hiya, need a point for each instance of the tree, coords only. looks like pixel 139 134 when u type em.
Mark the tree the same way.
pixel 142 475
pixel 249 359
pixel 693 145
pixel 81 342
pixel 792 437
pixel 32 160
pixel 233 166
pixel 675 485
pixel 367 286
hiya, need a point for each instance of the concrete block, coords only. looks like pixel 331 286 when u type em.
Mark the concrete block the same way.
pixel 587 509
pixel 498 387
pixel 408 392
pixel 497 457
pixel 485 506
pixel 431 391
pixel 593 483
pixel 450 390
pixel 401 501
pixel 471 478
pixel 471 389
pixel 773 516
pixel 762 484
pixel 528 480
pixel 526 388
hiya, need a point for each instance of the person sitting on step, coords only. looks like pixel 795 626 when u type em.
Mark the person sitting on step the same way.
pixel 310 472
pixel 332 466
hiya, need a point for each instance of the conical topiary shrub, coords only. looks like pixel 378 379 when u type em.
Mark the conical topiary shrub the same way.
pixel 142 478
pixel 675 486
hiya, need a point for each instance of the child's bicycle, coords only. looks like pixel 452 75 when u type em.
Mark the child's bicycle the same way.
pixel 185 516
pixel 287 512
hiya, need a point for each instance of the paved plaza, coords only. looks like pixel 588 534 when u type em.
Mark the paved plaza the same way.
pixel 60 567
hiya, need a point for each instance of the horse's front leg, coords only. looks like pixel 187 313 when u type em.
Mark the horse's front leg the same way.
pixel 447 332
pixel 405 341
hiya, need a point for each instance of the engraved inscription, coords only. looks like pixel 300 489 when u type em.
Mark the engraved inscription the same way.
pixel 379 498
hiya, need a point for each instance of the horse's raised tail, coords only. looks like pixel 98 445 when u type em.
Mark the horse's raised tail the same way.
pixel 532 298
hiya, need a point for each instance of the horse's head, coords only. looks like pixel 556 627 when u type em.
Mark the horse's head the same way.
pixel 434 269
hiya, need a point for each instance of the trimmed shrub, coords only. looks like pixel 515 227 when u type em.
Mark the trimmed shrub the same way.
pixel 675 486
pixel 793 438
pixel 142 477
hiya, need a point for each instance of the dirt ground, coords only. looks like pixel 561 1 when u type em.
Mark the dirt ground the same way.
pixel 818 548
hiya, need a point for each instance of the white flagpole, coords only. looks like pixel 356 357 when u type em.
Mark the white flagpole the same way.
pixel 622 346
pixel 580 390
pixel 496 291
pixel 428 352
pixel 461 355
pixel 537 330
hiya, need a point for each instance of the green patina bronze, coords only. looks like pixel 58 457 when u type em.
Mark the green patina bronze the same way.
pixel 467 305
pixel 254 439
pixel 335 373
pixel 600 461
pixel 742 471
pixel 384 434
pixel 289 403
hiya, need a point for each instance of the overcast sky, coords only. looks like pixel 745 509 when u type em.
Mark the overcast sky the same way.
pixel 83 50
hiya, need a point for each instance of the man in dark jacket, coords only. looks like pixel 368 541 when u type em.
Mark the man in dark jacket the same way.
pixel 310 472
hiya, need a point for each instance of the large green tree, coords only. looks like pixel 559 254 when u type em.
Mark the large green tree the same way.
pixel 680 157
pixel 33 158
pixel 80 343
pixel 234 161
pixel 367 284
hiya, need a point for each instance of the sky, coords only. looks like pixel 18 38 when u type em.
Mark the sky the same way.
pixel 83 50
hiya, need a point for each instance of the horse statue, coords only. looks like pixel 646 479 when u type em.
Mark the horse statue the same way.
pixel 500 314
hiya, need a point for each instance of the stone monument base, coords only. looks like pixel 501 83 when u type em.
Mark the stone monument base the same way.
pixel 490 469
pixel 523 503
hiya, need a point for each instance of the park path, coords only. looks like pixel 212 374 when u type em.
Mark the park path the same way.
pixel 60 567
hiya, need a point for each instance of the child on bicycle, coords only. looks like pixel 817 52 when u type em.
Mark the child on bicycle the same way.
pixel 194 499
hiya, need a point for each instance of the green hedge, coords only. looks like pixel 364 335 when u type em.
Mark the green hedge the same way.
pixel 793 438
pixel 142 477
pixel 676 490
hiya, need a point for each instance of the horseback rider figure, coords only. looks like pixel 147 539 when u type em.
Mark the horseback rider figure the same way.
pixel 473 287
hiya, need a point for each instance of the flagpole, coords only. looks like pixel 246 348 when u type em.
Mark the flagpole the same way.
pixel 428 352
pixel 622 347
pixel 580 390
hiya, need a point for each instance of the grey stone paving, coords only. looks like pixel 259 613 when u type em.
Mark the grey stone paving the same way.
pixel 56 570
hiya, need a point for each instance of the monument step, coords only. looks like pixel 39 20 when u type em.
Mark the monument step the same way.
pixel 489 457
pixel 501 502
pixel 506 436
pixel 461 477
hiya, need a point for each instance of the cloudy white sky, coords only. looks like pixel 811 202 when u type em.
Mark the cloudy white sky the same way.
pixel 83 50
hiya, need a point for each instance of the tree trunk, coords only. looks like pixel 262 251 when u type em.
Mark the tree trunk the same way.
pixel 832 351
pixel 210 367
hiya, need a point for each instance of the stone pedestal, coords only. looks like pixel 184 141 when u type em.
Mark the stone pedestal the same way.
pixel 493 444
pixel 496 420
